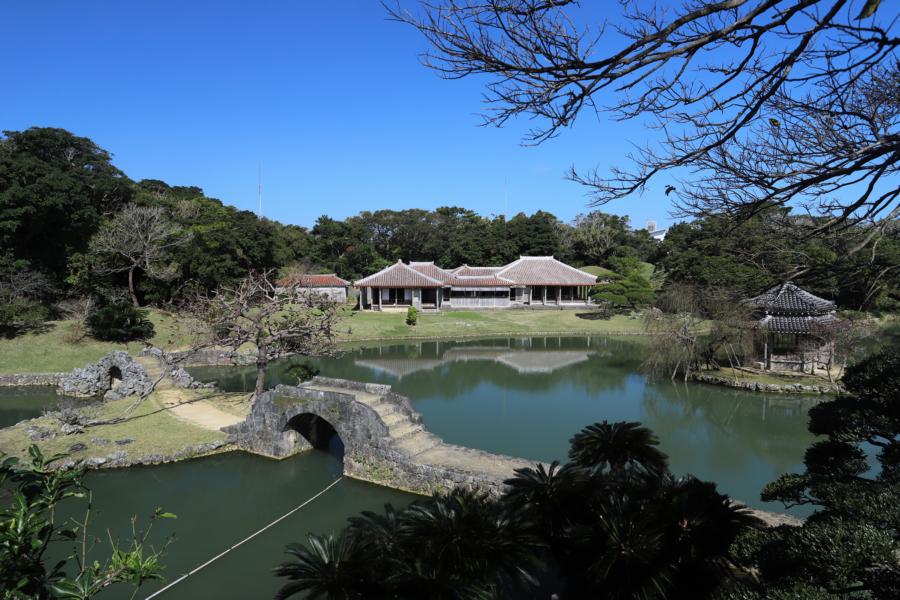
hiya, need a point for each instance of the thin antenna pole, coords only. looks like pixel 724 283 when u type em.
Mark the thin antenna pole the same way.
pixel 505 199
pixel 260 214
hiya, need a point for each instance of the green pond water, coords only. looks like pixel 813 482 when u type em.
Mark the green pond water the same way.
pixel 518 396
pixel 527 397
pixel 26 402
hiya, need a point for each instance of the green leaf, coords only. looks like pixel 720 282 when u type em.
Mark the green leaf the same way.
pixel 868 9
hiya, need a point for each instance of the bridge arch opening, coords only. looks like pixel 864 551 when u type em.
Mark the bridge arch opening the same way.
pixel 318 432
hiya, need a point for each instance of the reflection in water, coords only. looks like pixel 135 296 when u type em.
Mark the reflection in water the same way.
pixel 26 402
pixel 528 396
pixel 521 361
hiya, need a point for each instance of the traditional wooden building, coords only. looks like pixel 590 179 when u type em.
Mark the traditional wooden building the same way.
pixel 795 326
pixel 327 284
pixel 532 281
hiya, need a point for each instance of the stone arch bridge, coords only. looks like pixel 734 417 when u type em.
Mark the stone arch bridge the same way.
pixel 383 436
pixel 384 439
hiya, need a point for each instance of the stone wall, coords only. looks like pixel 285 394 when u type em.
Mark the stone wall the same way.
pixel 25 379
pixel 788 388
pixel 96 379
pixel 211 357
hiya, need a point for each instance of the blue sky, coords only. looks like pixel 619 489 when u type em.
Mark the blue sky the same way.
pixel 330 98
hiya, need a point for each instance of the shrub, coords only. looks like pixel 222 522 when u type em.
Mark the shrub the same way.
pixel 412 316
pixel 18 315
pixel 119 323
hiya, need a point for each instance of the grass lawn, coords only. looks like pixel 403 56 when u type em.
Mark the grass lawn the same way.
pixel 768 378
pixel 453 324
pixel 154 431
pixel 50 352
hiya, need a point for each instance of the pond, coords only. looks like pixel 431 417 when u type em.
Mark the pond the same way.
pixel 26 402
pixel 519 396
pixel 527 397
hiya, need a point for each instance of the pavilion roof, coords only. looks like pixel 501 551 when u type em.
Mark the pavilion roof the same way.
pixel 797 324
pixel 787 299
pixel 545 270
pixel 399 275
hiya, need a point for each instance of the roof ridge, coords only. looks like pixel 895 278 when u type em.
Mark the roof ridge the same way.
pixel 409 267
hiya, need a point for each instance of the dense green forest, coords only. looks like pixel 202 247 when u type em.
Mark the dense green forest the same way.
pixel 62 199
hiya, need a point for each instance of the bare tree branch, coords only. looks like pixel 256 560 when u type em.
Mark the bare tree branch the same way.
pixel 761 102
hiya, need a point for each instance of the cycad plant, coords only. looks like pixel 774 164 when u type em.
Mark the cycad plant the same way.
pixel 612 523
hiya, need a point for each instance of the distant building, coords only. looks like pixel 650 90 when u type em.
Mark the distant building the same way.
pixel 655 233
pixel 531 281
pixel 327 284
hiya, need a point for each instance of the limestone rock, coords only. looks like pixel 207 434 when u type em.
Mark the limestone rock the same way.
pixel 36 433
pixel 113 377
pixel 71 428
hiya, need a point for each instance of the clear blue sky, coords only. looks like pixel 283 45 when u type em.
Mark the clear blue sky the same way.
pixel 329 97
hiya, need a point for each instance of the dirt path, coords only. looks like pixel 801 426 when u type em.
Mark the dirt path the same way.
pixel 194 410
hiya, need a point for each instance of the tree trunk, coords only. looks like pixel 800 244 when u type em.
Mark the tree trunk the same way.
pixel 261 366
pixel 134 299
pixel 262 362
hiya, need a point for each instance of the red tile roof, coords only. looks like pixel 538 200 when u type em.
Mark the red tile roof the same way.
pixel 432 270
pixel 307 280
pixel 528 270
pixel 399 275
pixel 545 270
pixel 466 270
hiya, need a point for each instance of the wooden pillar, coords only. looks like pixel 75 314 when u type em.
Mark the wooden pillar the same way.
pixel 379 297
pixel 544 297
pixel 558 295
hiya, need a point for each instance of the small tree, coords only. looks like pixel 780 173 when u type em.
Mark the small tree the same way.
pixel 119 323
pixel 138 238
pixel 412 316
pixel 276 321
pixel 628 287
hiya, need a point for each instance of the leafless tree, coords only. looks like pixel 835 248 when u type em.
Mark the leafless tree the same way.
pixel 675 326
pixel 594 234
pixel 276 321
pixel 756 103
pixel 138 237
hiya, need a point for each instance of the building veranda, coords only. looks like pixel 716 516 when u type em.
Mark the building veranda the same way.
pixel 530 281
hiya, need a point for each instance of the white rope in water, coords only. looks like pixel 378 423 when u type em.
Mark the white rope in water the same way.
pixel 243 541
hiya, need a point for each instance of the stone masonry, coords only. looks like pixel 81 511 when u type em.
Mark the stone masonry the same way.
pixel 384 439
